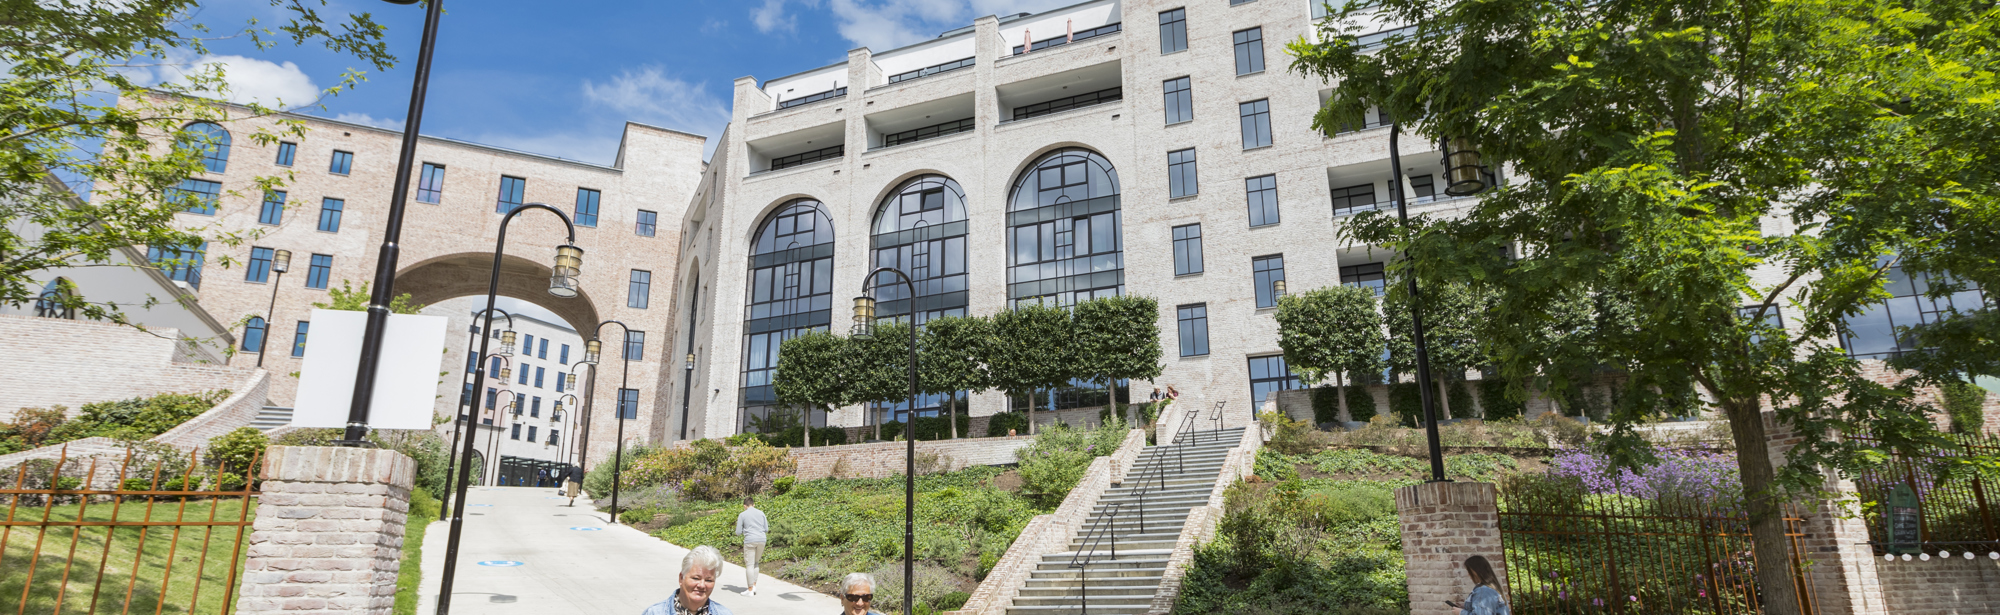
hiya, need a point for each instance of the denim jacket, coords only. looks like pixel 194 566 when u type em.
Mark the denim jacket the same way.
pixel 1484 601
pixel 672 606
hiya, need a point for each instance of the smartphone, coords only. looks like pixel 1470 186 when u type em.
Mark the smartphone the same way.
pixel 1451 604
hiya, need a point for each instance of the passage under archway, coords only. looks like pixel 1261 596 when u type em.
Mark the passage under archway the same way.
pixel 466 274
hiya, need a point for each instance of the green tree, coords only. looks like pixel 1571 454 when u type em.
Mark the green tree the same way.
pixel 1651 142
pixel 812 374
pixel 879 367
pixel 1452 317
pixel 1118 338
pixel 1033 350
pixel 348 298
pixel 236 450
pixel 1333 331
pixel 90 90
pixel 952 358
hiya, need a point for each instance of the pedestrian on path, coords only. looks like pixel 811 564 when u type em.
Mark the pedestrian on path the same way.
pixel 751 525
pixel 698 572
pixel 574 482
pixel 857 594
pixel 1485 598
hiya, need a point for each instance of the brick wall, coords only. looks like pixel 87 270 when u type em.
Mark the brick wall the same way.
pixel 329 531
pixel 885 459
pixel 1955 586
pixel 1442 524
pixel 1200 528
pixel 71 363
pixel 245 400
pixel 1049 533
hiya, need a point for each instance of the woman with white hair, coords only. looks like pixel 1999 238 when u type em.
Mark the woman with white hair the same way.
pixel 698 572
pixel 857 594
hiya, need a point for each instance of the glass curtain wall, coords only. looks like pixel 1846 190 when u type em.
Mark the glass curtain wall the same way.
pixel 920 228
pixel 791 293
pixel 1065 245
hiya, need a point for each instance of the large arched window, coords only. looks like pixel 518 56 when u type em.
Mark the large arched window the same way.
pixel 213 141
pixel 1063 230
pixel 253 335
pixel 791 292
pixel 920 228
pixel 57 300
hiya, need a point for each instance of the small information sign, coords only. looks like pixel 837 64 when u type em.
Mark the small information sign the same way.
pixel 1904 519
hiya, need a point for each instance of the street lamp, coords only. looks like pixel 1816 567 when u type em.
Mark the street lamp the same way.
pixel 864 328
pixel 384 288
pixel 1464 177
pixel 451 462
pixel 569 260
pixel 493 437
pixel 687 396
pixel 1277 292
pixel 560 417
pixel 593 351
pixel 582 447
pixel 281 262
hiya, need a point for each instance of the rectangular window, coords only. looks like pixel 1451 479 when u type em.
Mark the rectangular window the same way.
pixel 586 207
pixel 180 263
pixel 1194 329
pixel 1058 41
pixel 1365 275
pixel 928 132
pixel 559 382
pixel 519 402
pixel 527 346
pixel 1262 195
pixel 286 151
pixel 471 362
pixel 1249 51
pixel 319 271
pixel 259 269
pixel 1107 95
pixel 1268 270
pixel 523 381
pixel 1173 31
pixel 299 339
pixel 512 190
pixel 638 290
pixel 493 367
pixel 1181 178
pixel 492 400
pixel 635 345
pixel 539 373
pixel 535 410
pixel 628 403
pixel 1354 199
pixel 1256 119
pixel 812 98
pixel 1375 117
pixel 273 211
pixel 565 355
pixel 329 214
pixel 1179 100
pixel 648 221
pixel 517 432
pixel 1269 375
pixel 531 434
pixel 342 163
pixel 542 351
pixel 1187 249
pixel 430 184
pixel 555 437
pixel 933 69
pixel 805 158
pixel 1423 187
pixel 202 192
pixel 464 399
pixel 1873 334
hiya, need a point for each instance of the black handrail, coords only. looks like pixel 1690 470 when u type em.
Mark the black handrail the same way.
pixel 1160 469
pixel 1217 419
pixel 1098 531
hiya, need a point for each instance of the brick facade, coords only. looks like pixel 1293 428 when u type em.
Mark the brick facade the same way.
pixel 885 459
pixel 329 531
pixel 70 363
pixel 1444 523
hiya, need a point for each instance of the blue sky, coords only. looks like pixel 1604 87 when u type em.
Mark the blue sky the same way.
pixel 560 78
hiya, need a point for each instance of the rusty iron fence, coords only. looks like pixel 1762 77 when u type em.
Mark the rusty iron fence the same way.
pixel 149 530
pixel 1569 551
pixel 1957 506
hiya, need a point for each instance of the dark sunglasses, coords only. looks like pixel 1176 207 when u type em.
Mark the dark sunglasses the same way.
pixel 860 597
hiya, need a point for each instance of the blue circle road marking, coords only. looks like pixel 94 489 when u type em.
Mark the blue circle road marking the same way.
pixel 588 529
pixel 486 505
pixel 501 563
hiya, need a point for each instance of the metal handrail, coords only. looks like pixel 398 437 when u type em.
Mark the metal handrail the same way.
pixel 1216 433
pixel 1160 469
pixel 1098 531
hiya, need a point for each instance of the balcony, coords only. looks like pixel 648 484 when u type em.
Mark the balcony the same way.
pixel 1364 187
pixel 921 122
pixel 1061 92
pixel 933 70
pixel 798 148
pixel 1065 39
pixel 812 98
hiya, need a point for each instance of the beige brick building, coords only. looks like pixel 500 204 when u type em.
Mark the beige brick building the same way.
pixel 334 212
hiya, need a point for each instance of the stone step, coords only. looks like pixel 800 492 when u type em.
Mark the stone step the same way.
pixel 1157 557
pixel 1097 601
pixel 1061 570
pixel 1098 607
pixel 1171 490
pixel 1112 588
pixel 271 417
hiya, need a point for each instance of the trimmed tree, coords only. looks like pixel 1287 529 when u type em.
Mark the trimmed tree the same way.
pixel 1118 338
pixel 878 369
pixel 1033 349
pixel 952 358
pixel 813 374
pixel 1451 333
pixel 1333 331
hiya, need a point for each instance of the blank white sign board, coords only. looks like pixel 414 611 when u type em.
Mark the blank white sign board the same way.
pixel 405 383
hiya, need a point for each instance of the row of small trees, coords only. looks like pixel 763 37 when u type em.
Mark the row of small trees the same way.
pixel 1030 348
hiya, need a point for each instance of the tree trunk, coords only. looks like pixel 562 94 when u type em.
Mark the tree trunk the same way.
pixel 809 427
pixel 1111 396
pixel 877 412
pixel 1767 520
pixel 1340 398
pixel 1031 412
pixel 1444 395
pixel 951 413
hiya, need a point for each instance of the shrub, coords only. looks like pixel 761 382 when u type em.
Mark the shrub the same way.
pixel 796 436
pixel 1407 403
pixel 1053 464
pixel 1360 402
pixel 33 426
pixel 998 424
pixel 637 517
pixel 783 485
pixel 1965 403
pixel 598 480
pixel 140 418
pixel 1562 430
pixel 707 470
pixel 1494 401
pixel 1460 399
pixel 236 450
pixel 933 583
pixel 929 428
pixel 1294 437
pixel 1326 405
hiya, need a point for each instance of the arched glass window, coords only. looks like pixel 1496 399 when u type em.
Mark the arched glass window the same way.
pixel 253 335
pixel 791 293
pixel 214 144
pixel 920 228
pixel 56 299
pixel 1063 230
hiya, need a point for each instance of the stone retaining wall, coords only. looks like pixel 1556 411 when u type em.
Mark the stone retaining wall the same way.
pixel 885 459
pixel 1050 533
pixel 50 362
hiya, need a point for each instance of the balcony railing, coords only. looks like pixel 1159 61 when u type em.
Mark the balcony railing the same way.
pixel 1067 39
pixel 812 98
pixel 932 70
pixel 806 158
pixel 1060 105
pixel 928 132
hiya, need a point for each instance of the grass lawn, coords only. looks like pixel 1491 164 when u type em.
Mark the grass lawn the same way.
pixel 102 579
pixel 423 510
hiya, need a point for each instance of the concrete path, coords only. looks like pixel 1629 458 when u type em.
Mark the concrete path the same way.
pixel 604 569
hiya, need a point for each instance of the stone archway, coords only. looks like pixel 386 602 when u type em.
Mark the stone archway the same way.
pixel 466 274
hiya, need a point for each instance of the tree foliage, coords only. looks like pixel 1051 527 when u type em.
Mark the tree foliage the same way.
pixel 1333 331
pixel 1452 317
pixel 952 358
pixel 1032 350
pixel 91 89
pixel 812 374
pixel 1117 338
pixel 1688 160
pixel 351 299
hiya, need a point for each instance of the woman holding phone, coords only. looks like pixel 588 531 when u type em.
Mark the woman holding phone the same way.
pixel 1485 598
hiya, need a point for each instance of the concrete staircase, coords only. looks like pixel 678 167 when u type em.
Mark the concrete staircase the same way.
pixel 1172 479
pixel 271 417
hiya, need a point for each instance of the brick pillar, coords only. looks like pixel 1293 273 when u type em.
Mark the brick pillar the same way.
pixel 329 532
pixel 1444 523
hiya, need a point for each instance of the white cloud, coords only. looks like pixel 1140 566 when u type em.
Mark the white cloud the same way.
pixel 370 120
pixel 648 95
pixel 882 25
pixel 247 80
pixel 771 16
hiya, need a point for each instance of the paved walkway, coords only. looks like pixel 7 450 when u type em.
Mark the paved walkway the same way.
pixel 605 569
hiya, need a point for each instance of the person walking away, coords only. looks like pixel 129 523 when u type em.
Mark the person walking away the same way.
pixel 574 482
pixel 697 582
pixel 751 525
pixel 1485 597
pixel 857 594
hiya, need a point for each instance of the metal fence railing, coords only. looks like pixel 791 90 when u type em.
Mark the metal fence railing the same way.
pixel 148 531
pixel 1956 508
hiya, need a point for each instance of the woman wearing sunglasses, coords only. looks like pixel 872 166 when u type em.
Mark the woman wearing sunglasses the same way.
pixel 857 594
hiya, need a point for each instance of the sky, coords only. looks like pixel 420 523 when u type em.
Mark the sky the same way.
pixel 562 78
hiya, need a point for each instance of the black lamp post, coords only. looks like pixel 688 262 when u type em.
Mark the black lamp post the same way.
pixel 864 328
pixel 593 351
pixel 384 288
pixel 562 284
pixel 493 437
pixel 1462 177
pixel 687 396
pixel 281 262
pixel 562 417
pixel 471 403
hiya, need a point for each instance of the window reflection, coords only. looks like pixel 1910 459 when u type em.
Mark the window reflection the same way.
pixel 791 293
